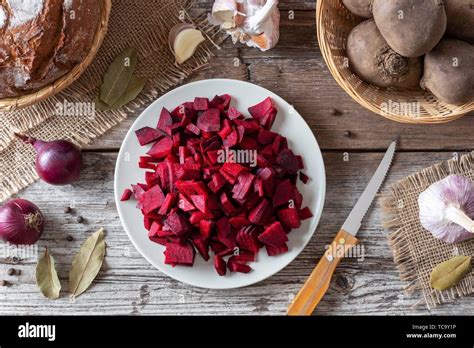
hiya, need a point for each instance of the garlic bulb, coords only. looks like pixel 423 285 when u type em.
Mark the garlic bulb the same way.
pixel 252 22
pixel 447 209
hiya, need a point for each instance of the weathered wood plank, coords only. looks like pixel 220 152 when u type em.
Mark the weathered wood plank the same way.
pixel 129 285
pixel 295 70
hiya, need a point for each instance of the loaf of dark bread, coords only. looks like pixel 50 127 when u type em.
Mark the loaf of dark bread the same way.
pixel 42 40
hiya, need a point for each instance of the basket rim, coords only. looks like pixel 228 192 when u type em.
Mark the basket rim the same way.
pixel 12 103
pixel 461 111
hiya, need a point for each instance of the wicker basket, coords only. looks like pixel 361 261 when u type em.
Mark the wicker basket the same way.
pixel 10 104
pixel 334 22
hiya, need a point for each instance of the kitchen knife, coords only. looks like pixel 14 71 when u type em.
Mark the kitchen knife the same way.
pixel 318 282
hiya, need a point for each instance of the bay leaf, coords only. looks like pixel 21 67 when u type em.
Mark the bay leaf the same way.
pixel 47 277
pixel 447 274
pixel 87 263
pixel 118 76
pixel 132 91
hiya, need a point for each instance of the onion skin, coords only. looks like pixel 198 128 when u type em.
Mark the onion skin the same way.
pixel 21 222
pixel 58 162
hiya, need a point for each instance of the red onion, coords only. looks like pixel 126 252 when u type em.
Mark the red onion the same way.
pixel 58 162
pixel 21 222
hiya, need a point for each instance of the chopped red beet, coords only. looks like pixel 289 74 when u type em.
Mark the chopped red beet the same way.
pixel 147 135
pixel 201 104
pixel 127 193
pixel 273 235
pixel 305 213
pixel 179 254
pixel 304 178
pixel 220 265
pixel 201 196
pixel 162 148
pixel 165 121
pixel 209 121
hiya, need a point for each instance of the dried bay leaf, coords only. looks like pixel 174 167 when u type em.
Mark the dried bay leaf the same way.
pixel 118 76
pixel 87 263
pixel 447 274
pixel 132 91
pixel 47 277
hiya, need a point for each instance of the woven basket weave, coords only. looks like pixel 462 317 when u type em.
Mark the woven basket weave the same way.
pixel 10 104
pixel 334 23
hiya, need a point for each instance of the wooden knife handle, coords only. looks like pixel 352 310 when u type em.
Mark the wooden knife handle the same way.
pixel 318 282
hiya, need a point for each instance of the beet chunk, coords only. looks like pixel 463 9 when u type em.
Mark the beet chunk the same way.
pixel 179 254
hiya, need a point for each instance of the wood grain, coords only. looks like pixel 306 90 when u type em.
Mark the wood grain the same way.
pixel 295 70
pixel 127 284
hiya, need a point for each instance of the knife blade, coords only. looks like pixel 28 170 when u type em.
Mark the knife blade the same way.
pixel 354 220
pixel 318 282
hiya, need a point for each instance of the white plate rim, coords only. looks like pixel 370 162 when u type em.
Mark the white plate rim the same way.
pixel 314 220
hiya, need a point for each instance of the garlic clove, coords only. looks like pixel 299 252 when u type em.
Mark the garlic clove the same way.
pixel 183 40
pixel 447 209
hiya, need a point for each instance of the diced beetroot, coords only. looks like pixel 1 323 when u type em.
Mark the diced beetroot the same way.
pixel 201 104
pixel 233 169
pixel 147 135
pixel 146 165
pixel 197 216
pixel 206 228
pixel 260 110
pixel 220 265
pixel 162 148
pixel 243 186
pixel 269 118
pixel 261 213
pixel 226 129
pixel 266 137
pixel 238 222
pixel 283 193
pixel 227 204
pixel 200 202
pixel 193 129
pixel 232 139
pixel 221 102
pixel 184 204
pixel 244 256
pixel 305 213
pixel 202 247
pixel 273 250
pixel 196 200
pixel 165 121
pixel 209 121
pixel 178 224
pixel 288 161
pixel 187 171
pixel 127 193
pixel 235 266
pixel 289 217
pixel 304 178
pixel 217 182
pixel 273 235
pixel 168 203
pixel 179 254
pixel 153 199
pixel 233 113
pixel 247 239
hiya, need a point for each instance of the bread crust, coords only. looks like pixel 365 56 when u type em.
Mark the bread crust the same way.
pixel 46 47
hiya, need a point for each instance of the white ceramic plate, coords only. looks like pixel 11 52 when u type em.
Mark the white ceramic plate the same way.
pixel 288 122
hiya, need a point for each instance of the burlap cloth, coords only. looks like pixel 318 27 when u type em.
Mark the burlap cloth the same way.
pixel 416 252
pixel 141 24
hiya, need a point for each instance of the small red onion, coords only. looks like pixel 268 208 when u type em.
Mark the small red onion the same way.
pixel 58 162
pixel 21 222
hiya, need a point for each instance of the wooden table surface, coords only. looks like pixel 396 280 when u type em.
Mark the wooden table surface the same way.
pixel 295 70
